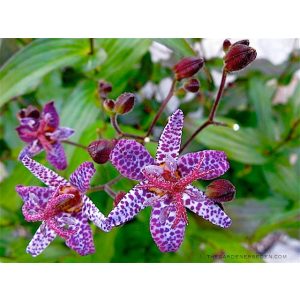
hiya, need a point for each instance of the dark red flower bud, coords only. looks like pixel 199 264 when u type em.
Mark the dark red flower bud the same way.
pixel 192 85
pixel 238 57
pixel 109 106
pixel 220 190
pixel 188 67
pixel 104 88
pixel 226 45
pixel 242 42
pixel 29 112
pixel 120 195
pixel 100 150
pixel 124 103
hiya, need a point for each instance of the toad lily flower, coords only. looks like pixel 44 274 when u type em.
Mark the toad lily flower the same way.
pixel 62 207
pixel 165 184
pixel 42 132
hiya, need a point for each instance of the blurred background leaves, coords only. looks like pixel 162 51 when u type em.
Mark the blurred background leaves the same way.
pixel 264 100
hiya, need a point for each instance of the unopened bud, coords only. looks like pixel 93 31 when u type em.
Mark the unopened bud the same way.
pixel 220 190
pixel 101 149
pixel 124 103
pixel 29 112
pixel 238 57
pixel 188 67
pixel 226 45
pixel 109 105
pixel 242 42
pixel 192 85
pixel 120 195
pixel 104 88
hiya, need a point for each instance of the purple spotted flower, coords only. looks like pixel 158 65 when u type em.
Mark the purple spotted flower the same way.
pixel 42 132
pixel 165 184
pixel 62 207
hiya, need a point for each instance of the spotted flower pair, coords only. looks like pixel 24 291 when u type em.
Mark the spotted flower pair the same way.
pixel 164 183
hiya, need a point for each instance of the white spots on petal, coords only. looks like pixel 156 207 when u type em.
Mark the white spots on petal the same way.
pixel 34 198
pixel 171 163
pixel 153 170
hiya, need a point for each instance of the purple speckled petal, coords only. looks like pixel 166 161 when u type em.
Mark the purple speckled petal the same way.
pixel 213 161
pixel 57 157
pixel 130 205
pixel 51 115
pixel 167 239
pixel 62 133
pixel 82 241
pixel 44 174
pixel 26 133
pixel 36 196
pixel 31 150
pixel 92 213
pixel 170 139
pixel 206 208
pixel 82 176
pixel 42 238
pixel 130 157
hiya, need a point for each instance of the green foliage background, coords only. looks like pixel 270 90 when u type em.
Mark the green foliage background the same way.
pixel 36 71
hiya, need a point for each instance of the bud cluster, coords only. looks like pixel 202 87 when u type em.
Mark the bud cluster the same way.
pixel 120 195
pixel 192 85
pixel 220 190
pixel 238 55
pixel 187 67
pixel 104 88
pixel 123 105
pixel 100 150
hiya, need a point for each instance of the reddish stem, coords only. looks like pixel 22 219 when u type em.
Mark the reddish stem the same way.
pixel 115 124
pixel 102 186
pixel 162 107
pixel 74 144
pixel 210 120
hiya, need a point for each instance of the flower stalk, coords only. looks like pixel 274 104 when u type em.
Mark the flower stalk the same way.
pixel 162 107
pixel 121 134
pixel 74 144
pixel 210 120
pixel 102 186
pixel 92 48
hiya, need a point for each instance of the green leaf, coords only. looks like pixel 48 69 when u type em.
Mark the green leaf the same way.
pixel 285 220
pixel 295 101
pixel 180 46
pixel 23 70
pixel 9 123
pixel 122 57
pixel 10 199
pixel 283 179
pixel 293 65
pixel 51 87
pixel 231 244
pixel 243 145
pixel 260 95
pixel 80 110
